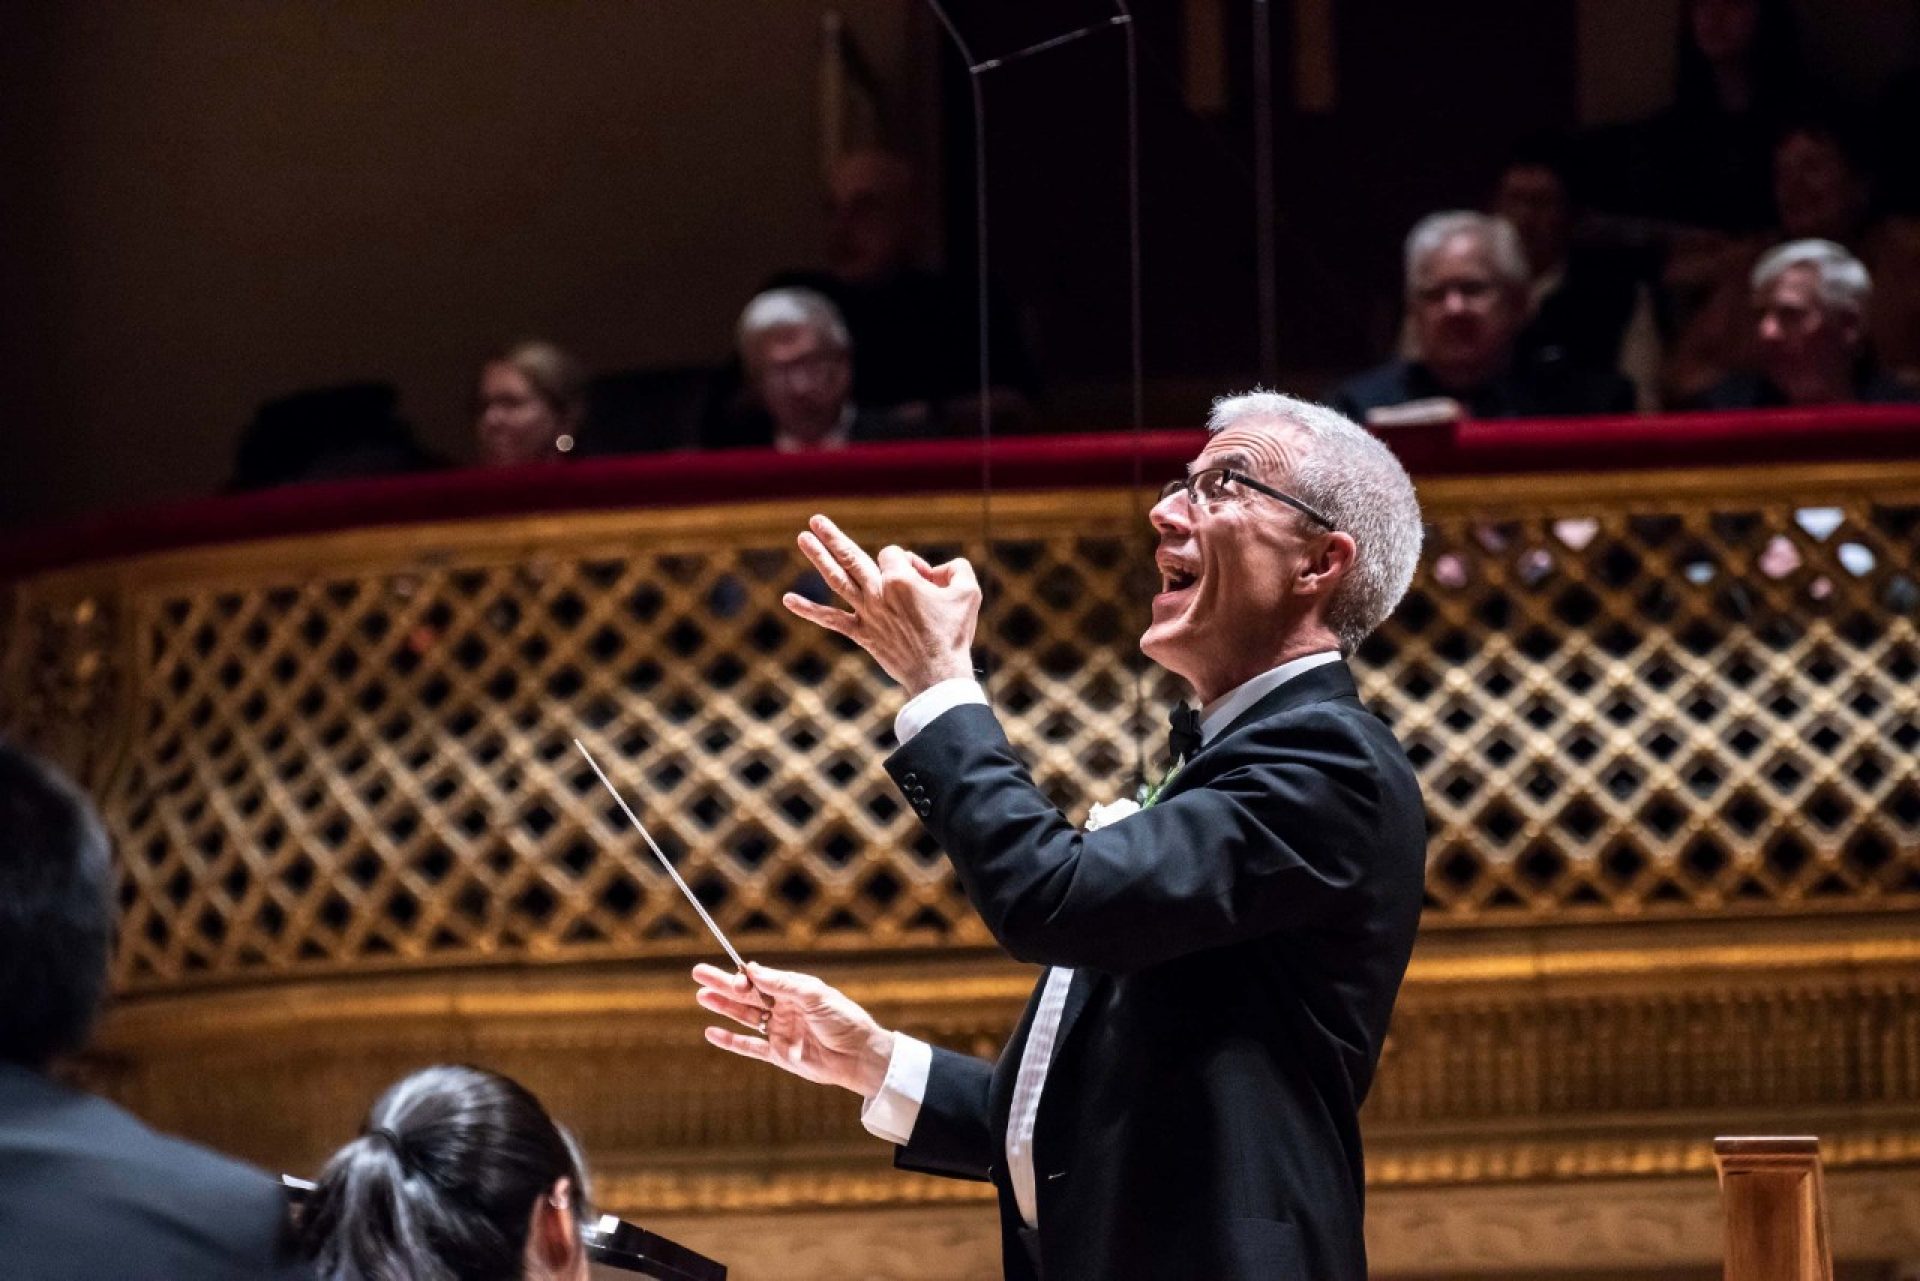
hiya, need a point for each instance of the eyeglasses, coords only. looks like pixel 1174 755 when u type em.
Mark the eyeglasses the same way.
pixel 1212 484
pixel 813 369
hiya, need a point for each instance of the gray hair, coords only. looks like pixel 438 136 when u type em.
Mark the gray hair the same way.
pixel 1501 241
pixel 1352 479
pixel 1844 282
pixel 790 309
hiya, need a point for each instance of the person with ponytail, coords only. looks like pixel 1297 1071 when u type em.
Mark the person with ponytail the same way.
pixel 458 1174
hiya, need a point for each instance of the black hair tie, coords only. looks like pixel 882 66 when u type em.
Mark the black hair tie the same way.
pixel 392 1140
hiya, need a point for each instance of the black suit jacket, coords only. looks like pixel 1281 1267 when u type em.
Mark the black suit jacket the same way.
pixel 1238 946
pixel 747 426
pixel 1539 385
pixel 87 1192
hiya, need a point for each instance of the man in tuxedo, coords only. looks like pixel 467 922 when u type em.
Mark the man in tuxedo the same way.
pixel 86 1191
pixel 1181 1097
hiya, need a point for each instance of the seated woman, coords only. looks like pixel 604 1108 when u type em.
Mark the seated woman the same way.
pixel 529 405
pixel 458 1175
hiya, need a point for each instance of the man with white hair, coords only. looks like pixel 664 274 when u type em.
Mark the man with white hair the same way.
pixel 798 360
pixel 1181 1098
pixel 1467 301
pixel 1810 302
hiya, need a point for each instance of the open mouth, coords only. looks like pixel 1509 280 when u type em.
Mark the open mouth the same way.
pixel 1175 577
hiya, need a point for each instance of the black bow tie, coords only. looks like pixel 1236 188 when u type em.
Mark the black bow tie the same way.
pixel 1184 741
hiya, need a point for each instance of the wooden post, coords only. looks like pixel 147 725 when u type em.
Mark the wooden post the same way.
pixel 1775 1206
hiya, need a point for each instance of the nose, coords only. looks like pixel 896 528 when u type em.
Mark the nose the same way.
pixel 1172 514
pixel 1769 328
pixel 1455 301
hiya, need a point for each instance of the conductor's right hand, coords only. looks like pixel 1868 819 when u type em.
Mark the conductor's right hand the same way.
pixel 812 1031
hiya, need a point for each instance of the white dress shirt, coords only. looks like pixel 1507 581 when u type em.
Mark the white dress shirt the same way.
pixel 891 1113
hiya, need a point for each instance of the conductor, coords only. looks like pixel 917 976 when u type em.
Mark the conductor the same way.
pixel 1180 1098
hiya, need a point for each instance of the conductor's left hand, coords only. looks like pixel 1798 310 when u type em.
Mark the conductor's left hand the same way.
pixel 916 619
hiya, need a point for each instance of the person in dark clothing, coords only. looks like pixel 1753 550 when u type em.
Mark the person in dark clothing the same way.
pixel 1705 161
pixel 1181 1098
pixel 1588 301
pixel 457 1173
pixel 328 433
pixel 1822 193
pixel 1811 299
pixel 916 330
pixel 1467 300
pixel 85 1189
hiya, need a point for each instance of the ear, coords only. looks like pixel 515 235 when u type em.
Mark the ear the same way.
pixel 555 1239
pixel 1323 568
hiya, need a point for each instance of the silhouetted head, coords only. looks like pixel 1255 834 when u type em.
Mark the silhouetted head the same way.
pixel 1535 194
pixel 458 1175
pixel 56 917
pixel 1820 186
pixel 870 216
pixel 1751 41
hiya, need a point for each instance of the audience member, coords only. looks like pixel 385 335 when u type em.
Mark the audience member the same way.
pixel 1467 282
pixel 1703 161
pixel 798 359
pixel 328 433
pixel 1821 192
pixel 1587 302
pixel 458 1174
pixel 1810 298
pixel 917 330
pixel 529 405
pixel 87 1191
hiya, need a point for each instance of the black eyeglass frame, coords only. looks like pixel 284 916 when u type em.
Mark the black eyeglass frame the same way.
pixel 1241 478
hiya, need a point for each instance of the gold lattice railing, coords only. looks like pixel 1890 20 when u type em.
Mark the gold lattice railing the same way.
pixel 1627 697
pixel 1665 721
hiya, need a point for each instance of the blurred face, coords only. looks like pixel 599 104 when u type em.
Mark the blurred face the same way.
pixel 516 424
pixel 1806 348
pixel 1723 30
pixel 1815 189
pixel 1532 198
pixel 1464 316
pixel 803 380
pixel 1227 602
pixel 869 217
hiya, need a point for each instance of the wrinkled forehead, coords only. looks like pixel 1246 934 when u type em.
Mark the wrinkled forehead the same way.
pixel 1463 254
pixel 1267 450
pixel 1797 286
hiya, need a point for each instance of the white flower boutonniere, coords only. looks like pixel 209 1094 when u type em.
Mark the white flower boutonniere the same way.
pixel 1112 812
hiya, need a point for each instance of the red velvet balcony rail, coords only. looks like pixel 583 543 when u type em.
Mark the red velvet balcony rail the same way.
pixel 1103 460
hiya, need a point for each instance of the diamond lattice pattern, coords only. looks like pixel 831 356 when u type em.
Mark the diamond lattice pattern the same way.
pixel 1683 710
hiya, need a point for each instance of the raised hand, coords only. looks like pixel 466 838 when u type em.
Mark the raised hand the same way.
pixel 812 1031
pixel 916 619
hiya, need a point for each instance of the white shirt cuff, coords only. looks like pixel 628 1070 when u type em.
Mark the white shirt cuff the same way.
pixel 891 1113
pixel 923 708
